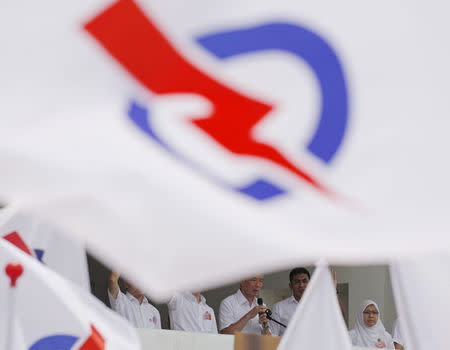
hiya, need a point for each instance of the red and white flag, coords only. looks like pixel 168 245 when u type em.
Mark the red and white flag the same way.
pixel 197 136
pixel 54 248
pixel 51 312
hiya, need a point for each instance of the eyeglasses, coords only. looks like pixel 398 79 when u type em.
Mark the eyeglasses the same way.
pixel 375 313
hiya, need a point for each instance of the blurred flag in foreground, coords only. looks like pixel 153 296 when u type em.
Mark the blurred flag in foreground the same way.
pixel 50 312
pixel 196 137
pixel 421 288
pixel 55 249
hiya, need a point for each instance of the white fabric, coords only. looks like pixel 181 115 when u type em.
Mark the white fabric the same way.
pixel 141 315
pixel 47 305
pixel 283 312
pixel 397 334
pixel 317 323
pixel 372 337
pixel 231 310
pixel 61 252
pixel 187 314
pixel 421 289
pixel 70 152
pixel 178 340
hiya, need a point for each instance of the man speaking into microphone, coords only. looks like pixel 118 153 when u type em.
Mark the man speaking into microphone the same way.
pixel 240 311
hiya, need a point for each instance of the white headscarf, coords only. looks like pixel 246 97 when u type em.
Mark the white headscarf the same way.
pixel 363 335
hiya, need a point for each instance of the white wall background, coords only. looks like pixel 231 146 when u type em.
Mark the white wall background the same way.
pixel 369 282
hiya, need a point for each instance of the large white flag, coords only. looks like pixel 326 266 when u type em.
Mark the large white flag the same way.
pixel 54 248
pixel 421 287
pixel 52 313
pixel 317 321
pixel 189 136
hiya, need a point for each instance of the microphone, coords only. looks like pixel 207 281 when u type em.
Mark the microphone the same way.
pixel 269 313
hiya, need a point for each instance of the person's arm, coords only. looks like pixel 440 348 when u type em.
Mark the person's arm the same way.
pixel 352 336
pixel 240 324
pixel 398 346
pixel 113 284
pixel 389 341
pixel 397 335
pixel 264 321
pixel 341 306
pixel 213 323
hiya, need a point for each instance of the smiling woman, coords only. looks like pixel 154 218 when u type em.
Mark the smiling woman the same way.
pixel 369 330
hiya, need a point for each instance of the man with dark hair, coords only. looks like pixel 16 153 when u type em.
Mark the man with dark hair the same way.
pixel 283 310
pixel 298 271
pixel 133 305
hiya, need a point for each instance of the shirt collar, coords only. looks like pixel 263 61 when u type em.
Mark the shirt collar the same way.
pixel 242 299
pixel 132 298
pixel 292 300
pixel 192 297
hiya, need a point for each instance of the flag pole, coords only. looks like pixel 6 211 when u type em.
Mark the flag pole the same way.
pixel 13 271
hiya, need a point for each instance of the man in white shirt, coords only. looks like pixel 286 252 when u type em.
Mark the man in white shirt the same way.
pixel 189 312
pixel 133 305
pixel 284 309
pixel 239 312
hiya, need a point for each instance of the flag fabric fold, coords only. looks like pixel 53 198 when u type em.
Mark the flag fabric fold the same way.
pixel 421 288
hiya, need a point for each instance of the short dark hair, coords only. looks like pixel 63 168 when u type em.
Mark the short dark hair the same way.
pixel 298 271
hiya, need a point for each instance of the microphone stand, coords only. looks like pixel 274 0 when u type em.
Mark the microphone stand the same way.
pixel 269 313
pixel 269 316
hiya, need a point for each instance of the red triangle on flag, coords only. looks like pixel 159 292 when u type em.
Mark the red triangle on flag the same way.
pixel 17 240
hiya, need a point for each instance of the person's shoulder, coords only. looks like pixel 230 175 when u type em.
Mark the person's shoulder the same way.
pixel 120 295
pixel 277 305
pixel 388 335
pixel 282 302
pixel 152 307
pixel 176 299
pixel 229 298
pixel 228 302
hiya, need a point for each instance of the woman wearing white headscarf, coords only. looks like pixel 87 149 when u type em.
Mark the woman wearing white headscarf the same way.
pixel 369 330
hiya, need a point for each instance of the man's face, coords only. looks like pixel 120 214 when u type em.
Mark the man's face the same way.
pixel 252 286
pixel 370 315
pixel 298 284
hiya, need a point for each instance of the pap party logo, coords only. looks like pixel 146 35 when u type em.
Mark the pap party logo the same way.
pixel 150 57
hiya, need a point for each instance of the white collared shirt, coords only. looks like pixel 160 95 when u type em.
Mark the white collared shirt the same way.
pixel 233 307
pixel 143 315
pixel 282 312
pixel 187 314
